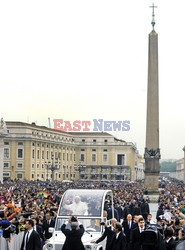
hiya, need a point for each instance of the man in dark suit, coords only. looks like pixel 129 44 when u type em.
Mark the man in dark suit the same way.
pixel 31 239
pixel 109 213
pixel 73 236
pixel 39 230
pixel 145 210
pixel 170 243
pixel 137 209
pixel 135 243
pixel 128 226
pixel 126 211
pixel 119 239
pixel 108 233
pixel 48 222
pixel 119 210
pixel 135 221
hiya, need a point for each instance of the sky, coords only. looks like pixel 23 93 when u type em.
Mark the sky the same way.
pixel 85 60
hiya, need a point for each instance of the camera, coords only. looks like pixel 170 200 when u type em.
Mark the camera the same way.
pixel 27 214
pixel 74 219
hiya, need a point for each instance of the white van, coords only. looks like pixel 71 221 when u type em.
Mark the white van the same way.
pixel 88 206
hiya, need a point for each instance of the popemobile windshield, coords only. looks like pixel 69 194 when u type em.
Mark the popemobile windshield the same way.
pixel 88 205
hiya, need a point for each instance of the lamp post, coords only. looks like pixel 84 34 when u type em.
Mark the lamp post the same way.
pixel 81 169
pixel 184 162
pixel 76 170
pixel 53 166
pixel 136 172
pixel 47 164
pixel 124 173
pixel 12 172
pixel 64 171
pixel 70 172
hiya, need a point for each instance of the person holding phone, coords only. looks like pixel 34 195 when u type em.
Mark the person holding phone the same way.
pixel 73 236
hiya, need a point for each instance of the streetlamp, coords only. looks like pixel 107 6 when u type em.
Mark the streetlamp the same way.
pixel 76 171
pixel 64 171
pixel 47 164
pixel 136 169
pixel 82 169
pixel 53 166
pixel 184 161
pixel 124 172
pixel 12 172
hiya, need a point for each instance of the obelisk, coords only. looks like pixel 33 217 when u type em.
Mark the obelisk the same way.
pixel 152 151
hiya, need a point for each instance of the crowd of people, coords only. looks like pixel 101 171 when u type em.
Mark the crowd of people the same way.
pixel 31 206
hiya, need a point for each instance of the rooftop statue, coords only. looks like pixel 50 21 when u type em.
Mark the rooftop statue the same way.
pixel 3 127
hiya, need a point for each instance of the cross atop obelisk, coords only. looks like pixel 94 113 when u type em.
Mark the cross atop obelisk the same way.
pixel 153 15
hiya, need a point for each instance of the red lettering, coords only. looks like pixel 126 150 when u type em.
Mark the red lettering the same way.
pixel 67 126
pixel 57 124
pixel 86 123
pixel 76 125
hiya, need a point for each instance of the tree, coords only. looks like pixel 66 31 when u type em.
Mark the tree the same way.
pixel 168 166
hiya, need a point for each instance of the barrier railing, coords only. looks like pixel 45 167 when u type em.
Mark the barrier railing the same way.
pixel 14 243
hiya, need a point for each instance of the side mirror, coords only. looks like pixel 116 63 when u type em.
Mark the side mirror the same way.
pixel 51 230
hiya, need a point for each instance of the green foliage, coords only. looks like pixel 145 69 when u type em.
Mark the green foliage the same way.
pixel 167 166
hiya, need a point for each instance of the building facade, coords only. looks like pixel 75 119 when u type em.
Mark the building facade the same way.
pixel 179 173
pixel 34 152
pixel 101 156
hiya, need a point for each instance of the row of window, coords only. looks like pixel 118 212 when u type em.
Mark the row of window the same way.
pixel 38 144
pixel 120 158
pixel 18 175
pixel 19 153
pixel 20 165
pixel 57 155
pixel 104 177
pixel 61 138
pixel 94 140
pixel 51 146
pixel 53 136
pixel 44 166
pixel 7 165
pixel 38 166
pixel 50 176
pixel 105 150
pixel 18 143
pixel 82 157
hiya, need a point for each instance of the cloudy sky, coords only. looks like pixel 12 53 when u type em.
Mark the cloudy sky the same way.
pixel 85 60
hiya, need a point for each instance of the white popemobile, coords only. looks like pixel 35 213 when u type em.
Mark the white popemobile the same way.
pixel 88 205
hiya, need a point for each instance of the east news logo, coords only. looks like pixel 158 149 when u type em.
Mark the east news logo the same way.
pixel 97 124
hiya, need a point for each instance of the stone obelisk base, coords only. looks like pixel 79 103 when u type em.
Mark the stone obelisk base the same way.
pixel 151 185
